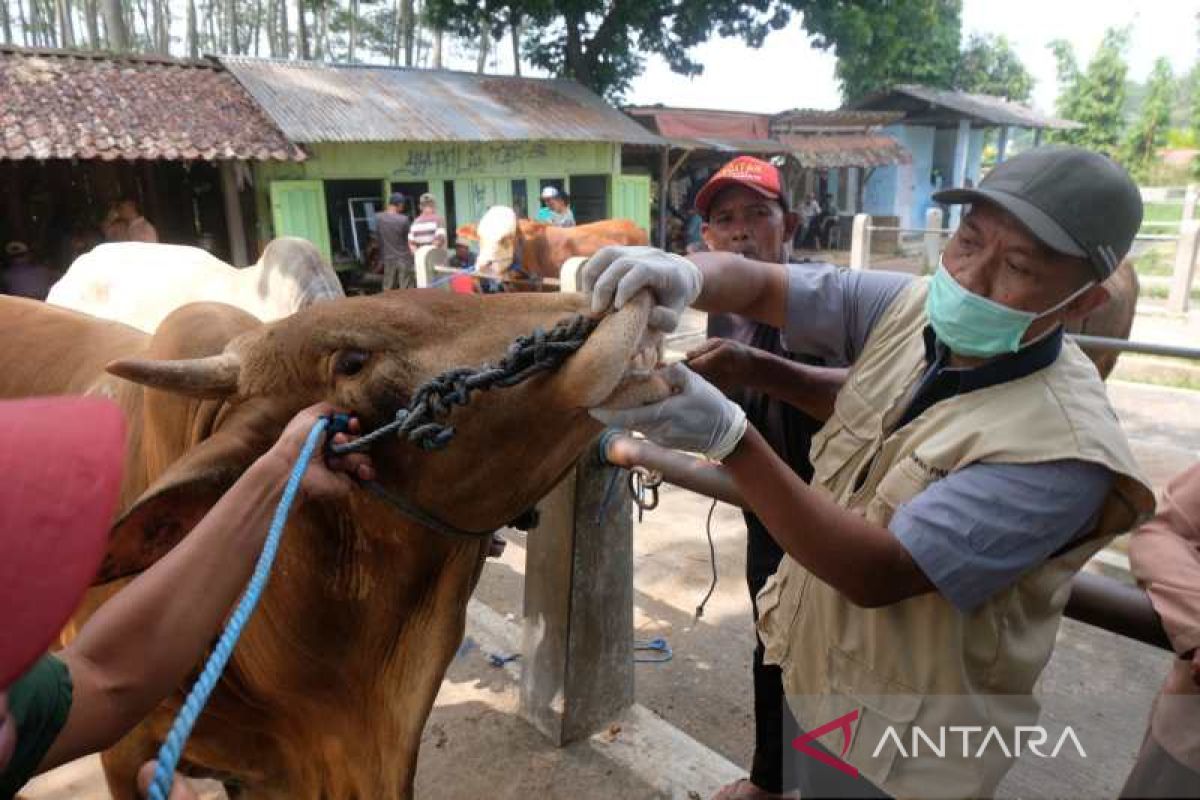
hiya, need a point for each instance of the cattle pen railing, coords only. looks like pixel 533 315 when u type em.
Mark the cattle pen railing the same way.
pixel 1187 248
pixel 577 645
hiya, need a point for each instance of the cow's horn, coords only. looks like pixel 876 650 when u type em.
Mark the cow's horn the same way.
pixel 214 376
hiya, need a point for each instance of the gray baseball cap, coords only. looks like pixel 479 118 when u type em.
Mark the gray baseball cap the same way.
pixel 1074 201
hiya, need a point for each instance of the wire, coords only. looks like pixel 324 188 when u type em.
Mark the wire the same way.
pixel 712 559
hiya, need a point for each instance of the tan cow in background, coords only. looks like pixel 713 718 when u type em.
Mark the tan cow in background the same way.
pixel 140 284
pixel 329 688
pixel 540 249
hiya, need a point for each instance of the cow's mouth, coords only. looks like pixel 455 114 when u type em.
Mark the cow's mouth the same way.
pixel 615 369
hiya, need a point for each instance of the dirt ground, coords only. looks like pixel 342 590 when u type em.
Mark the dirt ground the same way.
pixel 477 746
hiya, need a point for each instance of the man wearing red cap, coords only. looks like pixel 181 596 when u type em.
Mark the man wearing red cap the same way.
pixel 745 211
pixel 61 464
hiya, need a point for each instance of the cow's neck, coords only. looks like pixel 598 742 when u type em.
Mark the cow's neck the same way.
pixel 360 625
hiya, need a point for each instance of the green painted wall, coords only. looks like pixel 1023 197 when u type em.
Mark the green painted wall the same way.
pixel 482 171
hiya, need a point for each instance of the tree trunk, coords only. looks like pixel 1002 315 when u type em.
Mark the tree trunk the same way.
pixel 162 25
pixel 231 35
pixel 302 32
pixel 437 48
pixel 323 33
pixel 66 29
pixel 407 30
pixel 285 38
pixel 485 38
pixel 272 29
pixel 91 19
pixel 576 61
pixel 192 37
pixel 518 25
pixel 5 22
pixel 353 30
pixel 114 25
pixel 210 17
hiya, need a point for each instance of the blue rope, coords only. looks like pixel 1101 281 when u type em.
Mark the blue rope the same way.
pixel 172 748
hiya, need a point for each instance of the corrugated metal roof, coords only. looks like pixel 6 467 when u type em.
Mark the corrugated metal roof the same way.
pixel 335 103
pixel 980 108
pixel 830 151
pixel 72 104
pixel 759 146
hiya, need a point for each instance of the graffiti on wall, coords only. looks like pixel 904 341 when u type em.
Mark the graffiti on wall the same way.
pixel 450 160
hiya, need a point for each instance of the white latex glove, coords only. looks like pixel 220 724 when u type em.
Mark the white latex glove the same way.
pixel 615 274
pixel 696 417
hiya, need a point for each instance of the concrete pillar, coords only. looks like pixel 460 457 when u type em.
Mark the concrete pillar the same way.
pixel 233 214
pixel 961 145
pixel 860 242
pixel 568 276
pixel 1002 145
pixel 426 260
pixel 933 239
pixel 852 176
pixel 1189 203
pixel 1185 266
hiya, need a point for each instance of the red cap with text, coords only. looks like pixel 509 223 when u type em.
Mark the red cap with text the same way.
pixel 745 171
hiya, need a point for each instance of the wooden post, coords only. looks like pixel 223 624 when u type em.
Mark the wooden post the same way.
pixel 961 145
pixel 427 259
pixel 233 215
pixel 1185 266
pixel 1002 145
pixel 933 240
pixel 664 189
pixel 577 630
pixel 860 242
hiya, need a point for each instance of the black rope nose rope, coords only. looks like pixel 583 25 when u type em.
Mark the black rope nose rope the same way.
pixel 527 355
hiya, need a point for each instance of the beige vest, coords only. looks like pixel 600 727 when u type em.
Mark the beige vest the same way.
pixel 920 662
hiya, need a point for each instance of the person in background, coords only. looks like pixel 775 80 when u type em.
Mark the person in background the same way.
pixel 55 514
pixel 392 227
pixel 555 209
pixel 694 232
pixel 428 228
pixel 25 276
pixel 745 212
pixel 136 227
pixel 1165 556
pixel 809 210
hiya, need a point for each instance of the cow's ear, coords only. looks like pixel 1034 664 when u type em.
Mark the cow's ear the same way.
pixel 177 501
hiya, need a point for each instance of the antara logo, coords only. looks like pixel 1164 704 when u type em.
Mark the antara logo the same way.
pixel 844 723
pixel 992 738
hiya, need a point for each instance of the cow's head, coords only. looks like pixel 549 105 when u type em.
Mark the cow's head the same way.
pixel 498 234
pixel 369 354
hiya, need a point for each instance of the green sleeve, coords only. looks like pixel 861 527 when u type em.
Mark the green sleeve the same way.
pixel 39 703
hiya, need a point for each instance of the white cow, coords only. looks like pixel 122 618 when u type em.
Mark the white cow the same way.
pixel 140 284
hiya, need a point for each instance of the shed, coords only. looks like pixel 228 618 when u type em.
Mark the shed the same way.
pixel 945 131
pixel 80 130
pixel 470 140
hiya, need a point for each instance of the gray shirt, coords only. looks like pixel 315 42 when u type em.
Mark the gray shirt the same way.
pixel 392 231
pixel 979 529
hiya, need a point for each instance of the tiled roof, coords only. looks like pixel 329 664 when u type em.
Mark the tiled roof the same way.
pixel 72 104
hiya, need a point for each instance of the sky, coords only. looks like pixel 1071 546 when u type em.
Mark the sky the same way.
pixel 787 72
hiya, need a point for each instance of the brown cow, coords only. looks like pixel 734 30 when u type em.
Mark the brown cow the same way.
pixel 1114 319
pixel 540 249
pixel 328 690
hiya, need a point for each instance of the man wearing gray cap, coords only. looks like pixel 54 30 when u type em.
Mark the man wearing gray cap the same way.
pixel 391 232
pixel 968 468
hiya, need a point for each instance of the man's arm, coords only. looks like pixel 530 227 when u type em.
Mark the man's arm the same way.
pixel 140 645
pixel 863 561
pixel 738 285
pixel 730 365
pixel 1165 555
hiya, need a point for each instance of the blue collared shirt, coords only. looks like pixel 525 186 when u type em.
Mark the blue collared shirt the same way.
pixel 979 529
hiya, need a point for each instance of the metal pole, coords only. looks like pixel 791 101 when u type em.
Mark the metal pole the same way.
pixel 1124 346
pixel 1096 600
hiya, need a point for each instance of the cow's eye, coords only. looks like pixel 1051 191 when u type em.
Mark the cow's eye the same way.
pixel 350 362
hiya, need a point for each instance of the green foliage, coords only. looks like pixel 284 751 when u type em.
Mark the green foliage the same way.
pixel 1096 97
pixel 604 44
pixel 988 65
pixel 1149 133
pixel 885 42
